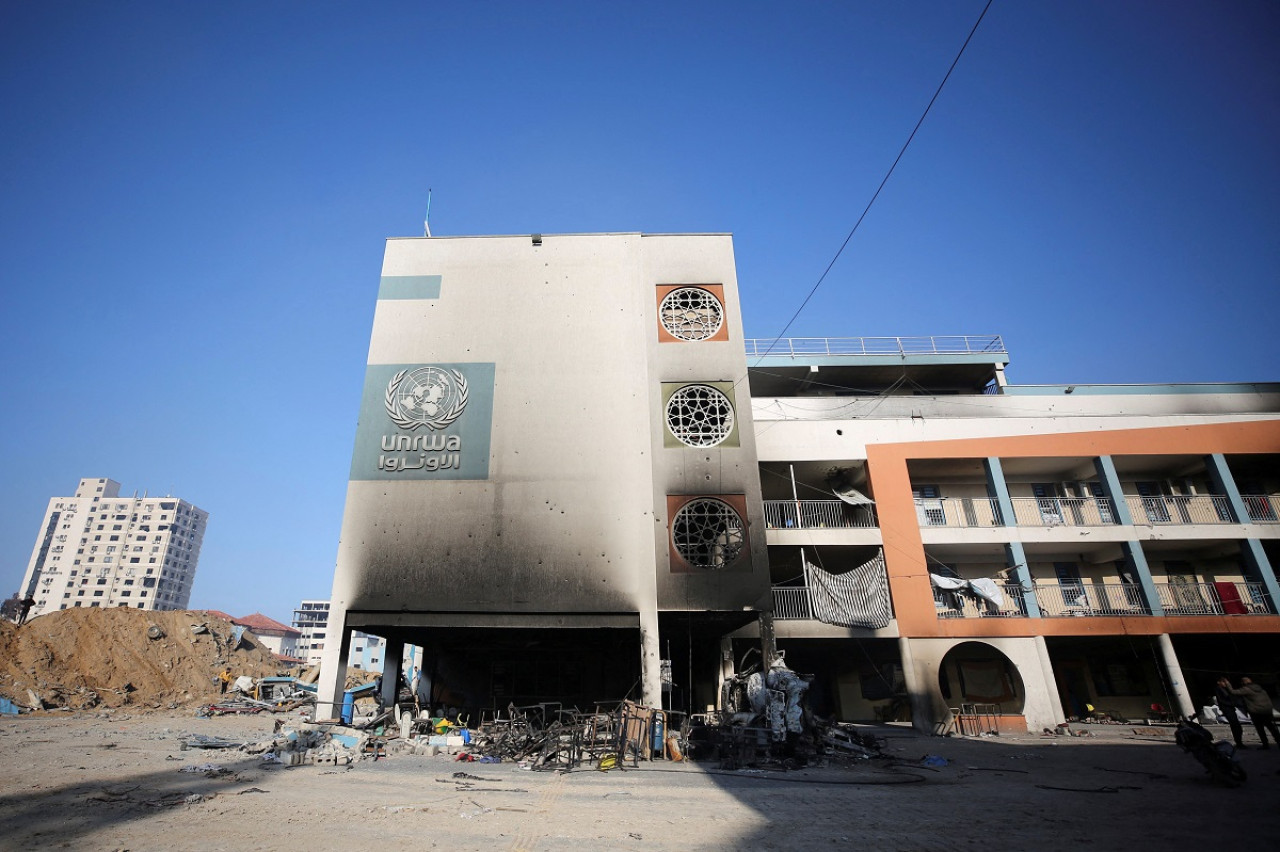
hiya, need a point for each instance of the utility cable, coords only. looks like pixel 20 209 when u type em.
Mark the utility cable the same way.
pixel 876 194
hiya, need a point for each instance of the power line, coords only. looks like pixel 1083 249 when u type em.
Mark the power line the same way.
pixel 876 195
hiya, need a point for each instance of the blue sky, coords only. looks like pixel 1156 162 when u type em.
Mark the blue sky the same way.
pixel 194 199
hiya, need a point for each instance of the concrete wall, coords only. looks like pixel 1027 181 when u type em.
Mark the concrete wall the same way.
pixel 556 499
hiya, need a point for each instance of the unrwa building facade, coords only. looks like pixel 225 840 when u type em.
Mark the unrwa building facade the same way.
pixel 554 481
pixel 570 466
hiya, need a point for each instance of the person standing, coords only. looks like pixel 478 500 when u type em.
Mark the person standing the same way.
pixel 1229 705
pixel 224 679
pixel 27 603
pixel 1258 705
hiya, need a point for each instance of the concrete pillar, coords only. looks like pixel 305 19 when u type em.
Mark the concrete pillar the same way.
pixel 392 650
pixel 1050 682
pixel 650 659
pixel 1133 551
pixel 1258 566
pixel 1015 555
pixel 917 692
pixel 1173 670
pixel 333 666
pixel 768 642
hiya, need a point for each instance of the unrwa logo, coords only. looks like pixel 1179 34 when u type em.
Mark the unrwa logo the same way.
pixel 428 396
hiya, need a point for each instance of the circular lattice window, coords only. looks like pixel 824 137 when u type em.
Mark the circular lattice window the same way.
pixel 699 415
pixel 691 313
pixel 708 533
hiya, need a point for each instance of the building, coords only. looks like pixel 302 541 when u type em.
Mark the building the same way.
pixel 279 639
pixel 98 549
pixel 311 621
pixel 574 478
pixel 1047 548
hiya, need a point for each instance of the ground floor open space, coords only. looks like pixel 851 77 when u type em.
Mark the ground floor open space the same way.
pixel 115 781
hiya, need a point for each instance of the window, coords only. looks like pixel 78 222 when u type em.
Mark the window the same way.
pixel 691 313
pixel 1047 501
pixel 98 593
pixel 708 533
pixel 1153 503
pixel 1071 585
pixel 699 415
pixel 929 509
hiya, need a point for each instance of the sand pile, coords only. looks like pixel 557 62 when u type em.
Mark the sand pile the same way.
pixel 83 658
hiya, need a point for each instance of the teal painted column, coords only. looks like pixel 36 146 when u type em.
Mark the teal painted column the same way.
pixel 1255 556
pixel 1132 549
pixel 1014 554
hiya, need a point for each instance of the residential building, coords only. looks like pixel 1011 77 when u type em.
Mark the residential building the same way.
pixel 280 639
pixel 98 549
pixel 311 621
pixel 573 476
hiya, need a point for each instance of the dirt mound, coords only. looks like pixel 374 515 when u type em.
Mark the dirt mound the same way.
pixel 83 658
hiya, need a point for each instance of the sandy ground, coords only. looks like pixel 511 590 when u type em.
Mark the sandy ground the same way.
pixel 114 782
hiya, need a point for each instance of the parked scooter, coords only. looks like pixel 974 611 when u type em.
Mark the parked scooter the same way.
pixel 1218 758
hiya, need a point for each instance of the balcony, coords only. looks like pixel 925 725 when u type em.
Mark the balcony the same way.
pixel 1262 508
pixel 1065 600
pixel 1200 509
pixel 1059 600
pixel 791 603
pixel 1092 511
pixel 963 604
pixel 817 514
pixel 1224 598
pixel 959 512
pixel 1063 511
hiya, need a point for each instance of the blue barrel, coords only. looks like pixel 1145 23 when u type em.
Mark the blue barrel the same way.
pixel 348 707
pixel 659 726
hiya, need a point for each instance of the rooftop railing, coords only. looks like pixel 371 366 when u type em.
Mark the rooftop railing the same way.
pixel 965 344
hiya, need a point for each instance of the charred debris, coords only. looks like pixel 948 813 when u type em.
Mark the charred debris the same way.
pixel 763 725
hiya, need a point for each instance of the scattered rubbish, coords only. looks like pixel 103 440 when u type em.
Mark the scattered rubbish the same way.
pixel 933 760
pixel 198 629
pixel 252 790
pixel 205 741
pixel 154 632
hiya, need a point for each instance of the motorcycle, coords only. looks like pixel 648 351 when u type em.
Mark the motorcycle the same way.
pixel 1218 758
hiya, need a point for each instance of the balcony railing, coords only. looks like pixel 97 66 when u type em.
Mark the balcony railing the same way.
pixel 958 512
pixel 1063 511
pixel 1223 598
pixel 1262 508
pixel 791 603
pixel 964 344
pixel 1060 600
pixel 817 514
pixel 1077 599
pixel 962 604
pixel 1200 509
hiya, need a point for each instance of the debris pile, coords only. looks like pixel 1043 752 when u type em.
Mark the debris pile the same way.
pixel 80 659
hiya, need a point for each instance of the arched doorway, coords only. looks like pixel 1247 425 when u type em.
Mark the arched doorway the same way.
pixel 978 673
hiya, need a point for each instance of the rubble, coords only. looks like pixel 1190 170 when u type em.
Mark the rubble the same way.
pixel 81 659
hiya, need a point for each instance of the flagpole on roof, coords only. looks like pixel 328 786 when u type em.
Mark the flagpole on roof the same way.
pixel 426 223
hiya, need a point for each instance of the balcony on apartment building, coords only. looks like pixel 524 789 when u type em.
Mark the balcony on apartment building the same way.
pixel 1052 493
pixel 1098 579
pixel 818 502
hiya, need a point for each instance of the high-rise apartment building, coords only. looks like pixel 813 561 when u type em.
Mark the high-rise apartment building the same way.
pixel 570 467
pixel 98 549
